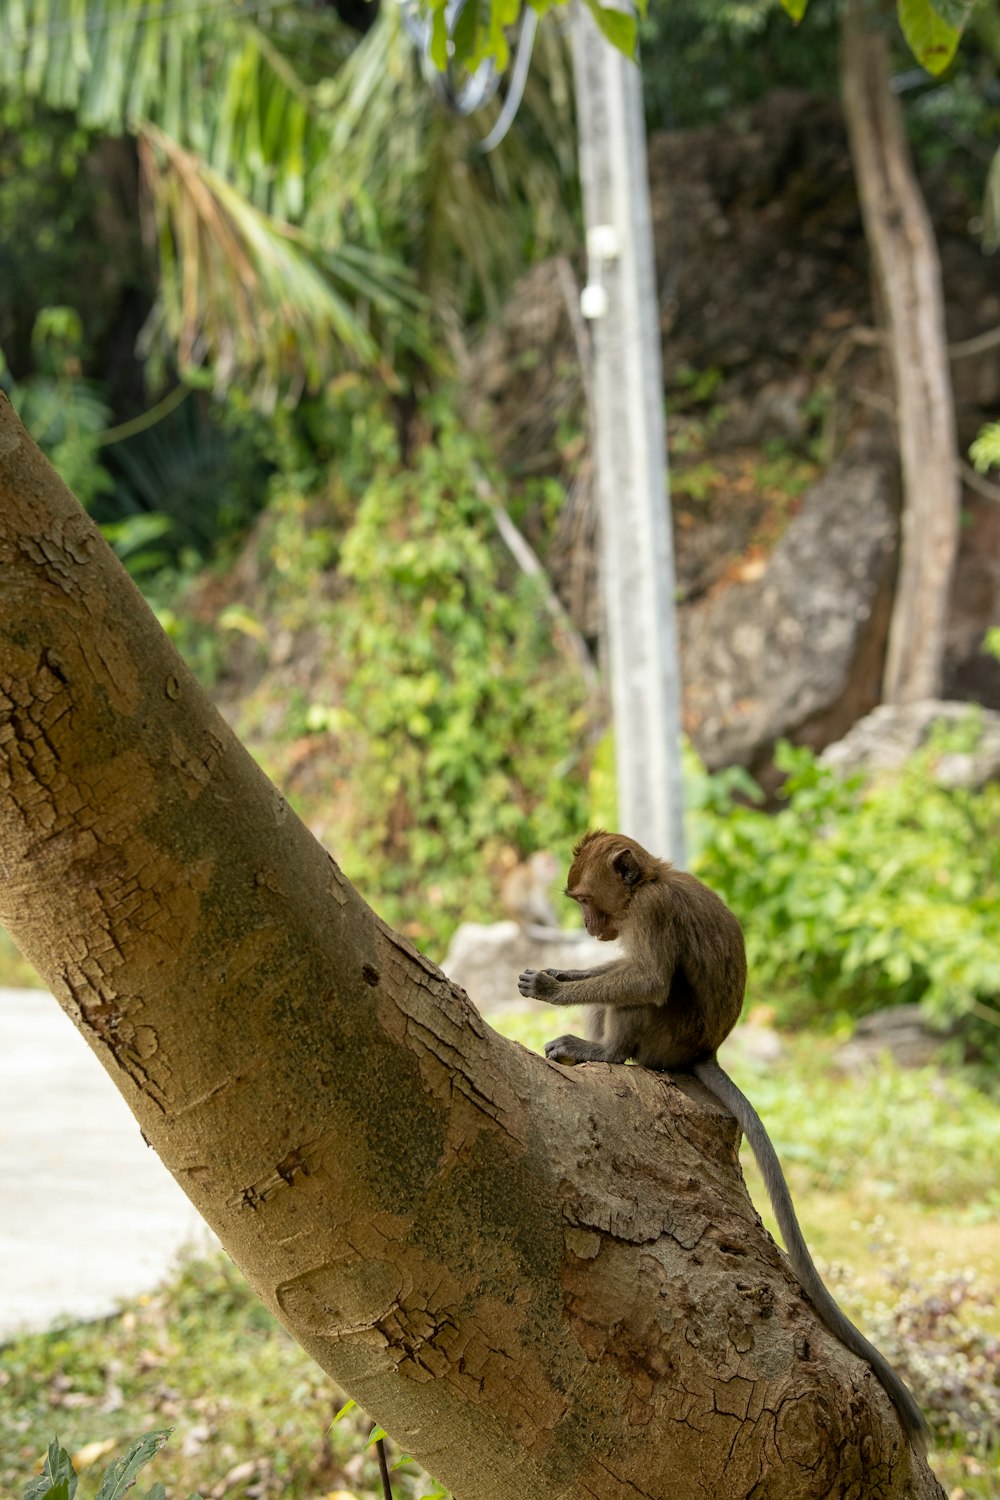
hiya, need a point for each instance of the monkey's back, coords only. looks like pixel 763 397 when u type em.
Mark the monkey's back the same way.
pixel 694 940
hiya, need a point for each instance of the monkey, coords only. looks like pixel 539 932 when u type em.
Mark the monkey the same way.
pixel 668 1002
pixel 524 893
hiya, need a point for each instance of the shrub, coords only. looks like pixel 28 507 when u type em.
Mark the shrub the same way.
pixel 862 895
pixel 457 705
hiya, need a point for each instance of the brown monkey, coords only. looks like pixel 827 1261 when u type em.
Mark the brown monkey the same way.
pixel 668 1002
pixel 524 893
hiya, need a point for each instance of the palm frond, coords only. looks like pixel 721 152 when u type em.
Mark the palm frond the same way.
pixel 293 171
pixel 251 295
pixel 413 173
pixel 203 72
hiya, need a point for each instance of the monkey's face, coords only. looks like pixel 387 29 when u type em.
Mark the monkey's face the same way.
pixel 593 902
pixel 598 923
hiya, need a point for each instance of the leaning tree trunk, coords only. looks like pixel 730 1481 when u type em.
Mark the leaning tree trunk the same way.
pixel 544 1282
pixel 908 274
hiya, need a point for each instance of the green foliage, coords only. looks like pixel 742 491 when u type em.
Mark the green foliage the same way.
pixel 233 149
pixel 58 1479
pixel 933 29
pixel 619 26
pixel 295 174
pixel 425 722
pixel 857 896
pixel 468 719
pixel 186 484
pixel 203 1356
pixel 985 451
pixel 53 210
pixel 15 970
pixel 695 387
pixel 695 483
pixel 251 294
pixel 64 413
pixel 923 1138
pixel 412 179
pixel 137 542
pixel 783 472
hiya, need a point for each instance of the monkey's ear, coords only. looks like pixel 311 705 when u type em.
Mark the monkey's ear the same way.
pixel 627 867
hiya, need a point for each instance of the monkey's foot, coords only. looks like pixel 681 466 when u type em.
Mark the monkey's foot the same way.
pixel 572 1049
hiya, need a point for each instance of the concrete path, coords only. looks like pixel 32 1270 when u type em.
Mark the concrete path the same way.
pixel 90 1215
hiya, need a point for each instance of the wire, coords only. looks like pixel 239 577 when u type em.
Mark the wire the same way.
pixel 518 79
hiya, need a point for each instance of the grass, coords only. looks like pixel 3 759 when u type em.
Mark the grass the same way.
pixel 253 1415
pixel 16 973
pixel 895 1179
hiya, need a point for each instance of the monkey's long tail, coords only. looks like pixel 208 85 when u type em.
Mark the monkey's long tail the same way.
pixel 719 1083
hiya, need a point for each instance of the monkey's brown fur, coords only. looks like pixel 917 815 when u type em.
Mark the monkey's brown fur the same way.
pixel 668 1003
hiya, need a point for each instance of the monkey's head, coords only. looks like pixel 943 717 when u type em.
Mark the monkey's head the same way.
pixel 607 869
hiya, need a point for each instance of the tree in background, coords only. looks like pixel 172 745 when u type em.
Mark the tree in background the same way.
pixel 311 206
pixel 910 301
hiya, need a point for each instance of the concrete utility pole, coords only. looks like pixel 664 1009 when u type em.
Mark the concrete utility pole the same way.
pixel 630 443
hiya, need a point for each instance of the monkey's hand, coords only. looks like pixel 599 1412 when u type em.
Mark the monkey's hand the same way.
pixel 542 984
pixel 573 1049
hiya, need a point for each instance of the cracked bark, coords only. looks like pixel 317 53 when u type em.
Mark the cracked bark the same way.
pixel 542 1282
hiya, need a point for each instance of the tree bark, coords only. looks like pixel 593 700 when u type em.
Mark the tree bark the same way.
pixel 544 1282
pixel 908 274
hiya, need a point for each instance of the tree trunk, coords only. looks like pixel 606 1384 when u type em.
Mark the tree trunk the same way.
pixel 544 1282
pixel 908 274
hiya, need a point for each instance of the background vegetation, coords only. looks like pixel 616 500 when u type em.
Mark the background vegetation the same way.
pixel 241 262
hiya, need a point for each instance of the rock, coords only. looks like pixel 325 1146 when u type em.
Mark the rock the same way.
pixel 901 1031
pixel 891 733
pixel 759 1046
pixel 487 959
pixel 767 656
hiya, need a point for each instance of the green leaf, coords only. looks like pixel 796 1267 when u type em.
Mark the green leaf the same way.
pixel 58 1490
pixel 439 41
pixel 466 31
pixel 344 1411
pixel 795 8
pixel 122 1474
pixel 618 26
pixel 376 1435
pixel 955 12
pixel 985 449
pixel 155 1492
pixel 933 31
pixel 58 1477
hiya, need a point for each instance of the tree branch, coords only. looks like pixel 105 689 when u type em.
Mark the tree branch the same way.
pixel 541 1281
